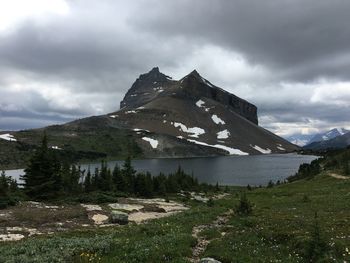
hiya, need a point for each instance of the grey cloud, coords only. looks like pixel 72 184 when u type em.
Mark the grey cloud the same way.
pixel 100 49
pixel 286 35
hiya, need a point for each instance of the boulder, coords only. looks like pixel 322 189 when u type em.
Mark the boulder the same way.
pixel 118 217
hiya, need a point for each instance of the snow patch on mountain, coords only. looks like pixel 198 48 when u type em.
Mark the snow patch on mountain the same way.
pixel 130 111
pixel 139 130
pixel 207 82
pixel 195 131
pixel 217 120
pixel 200 104
pixel 223 134
pixel 56 147
pixel 231 151
pixel 263 151
pixel 152 142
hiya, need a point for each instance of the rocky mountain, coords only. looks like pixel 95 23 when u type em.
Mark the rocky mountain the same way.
pixel 160 117
pixel 191 112
pixel 328 135
pixel 300 139
pixel 305 139
pixel 337 142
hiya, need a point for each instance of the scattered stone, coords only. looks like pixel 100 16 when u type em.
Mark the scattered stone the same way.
pixel 11 237
pixel 52 207
pixel 126 207
pixel 139 217
pixel 14 229
pixel 90 208
pixel 209 260
pixel 99 219
pixel 118 217
pixel 200 198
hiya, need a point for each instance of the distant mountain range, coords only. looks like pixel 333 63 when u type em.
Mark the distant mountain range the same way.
pixel 159 117
pixel 325 138
pixel 337 142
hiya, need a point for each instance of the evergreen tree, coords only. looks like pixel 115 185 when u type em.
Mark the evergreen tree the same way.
pixel 42 174
pixel 105 182
pixel 217 187
pixel 95 180
pixel 118 178
pixel 87 182
pixel 129 174
pixel 3 184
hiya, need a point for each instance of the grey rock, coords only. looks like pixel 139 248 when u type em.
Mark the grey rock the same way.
pixel 117 217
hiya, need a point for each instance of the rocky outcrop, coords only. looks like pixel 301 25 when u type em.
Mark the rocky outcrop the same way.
pixel 145 88
pixel 154 83
pixel 196 86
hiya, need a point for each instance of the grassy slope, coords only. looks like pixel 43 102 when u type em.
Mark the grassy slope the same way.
pixel 277 231
pixel 79 144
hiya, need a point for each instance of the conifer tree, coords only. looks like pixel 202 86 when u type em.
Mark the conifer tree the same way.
pixel 42 174
pixel 129 174
pixel 119 181
pixel 3 184
pixel 87 182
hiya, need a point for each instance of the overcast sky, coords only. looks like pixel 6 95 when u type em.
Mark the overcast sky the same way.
pixel 64 59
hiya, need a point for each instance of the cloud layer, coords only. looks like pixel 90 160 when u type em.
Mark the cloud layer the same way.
pixel 78 58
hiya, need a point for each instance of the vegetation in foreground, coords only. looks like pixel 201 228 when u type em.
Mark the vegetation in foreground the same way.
pixel 306 220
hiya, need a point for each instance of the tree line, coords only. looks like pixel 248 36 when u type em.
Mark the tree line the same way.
pixel 48 177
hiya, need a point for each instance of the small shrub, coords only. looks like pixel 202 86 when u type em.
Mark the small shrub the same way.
pixel 244 207
pixel 270 184
pixel 316 246
pixel 210 202
pixel 305 198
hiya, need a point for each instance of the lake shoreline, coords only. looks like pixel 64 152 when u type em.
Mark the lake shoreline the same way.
pixel 254 170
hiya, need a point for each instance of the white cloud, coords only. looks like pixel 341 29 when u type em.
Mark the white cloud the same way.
pixel 14 12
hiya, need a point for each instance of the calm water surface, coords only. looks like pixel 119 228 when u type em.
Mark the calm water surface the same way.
pixel 226 170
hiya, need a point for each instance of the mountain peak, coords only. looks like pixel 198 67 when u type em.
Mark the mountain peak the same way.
pixel 194 74
pixel 154 70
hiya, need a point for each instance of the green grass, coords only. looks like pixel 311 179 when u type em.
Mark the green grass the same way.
pixel 279 230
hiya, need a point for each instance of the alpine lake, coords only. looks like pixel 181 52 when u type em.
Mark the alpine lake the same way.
pixel 254 170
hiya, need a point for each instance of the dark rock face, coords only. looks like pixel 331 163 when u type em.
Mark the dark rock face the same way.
pixel 197 86
pixel 145 88
pixel 152 84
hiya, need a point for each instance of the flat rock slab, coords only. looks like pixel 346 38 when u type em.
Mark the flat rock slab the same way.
pixel 126 207
pixel 139 217
pixel 90 208
pixel 99 219
pixel 11 237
